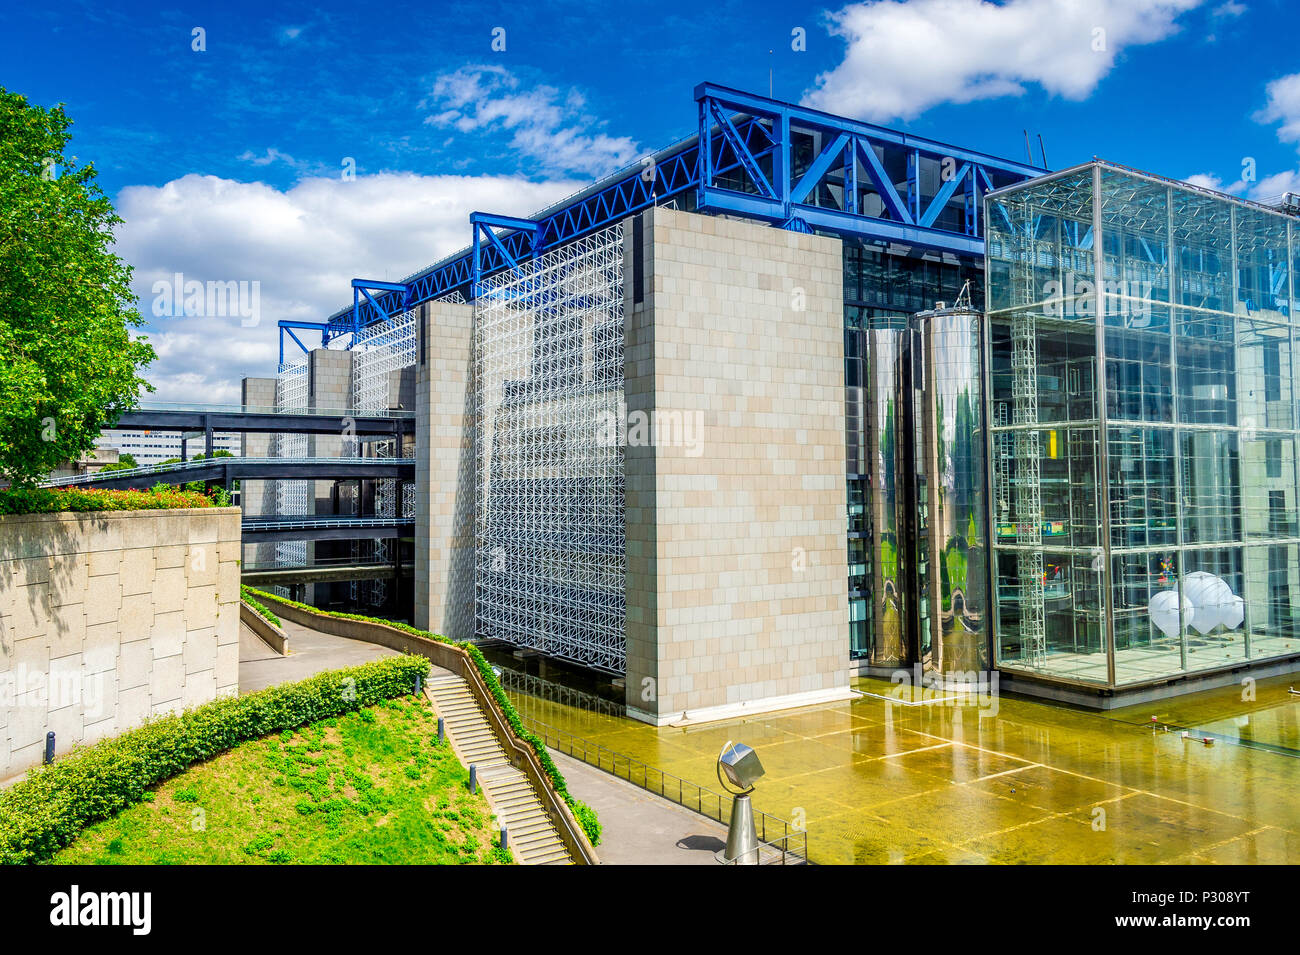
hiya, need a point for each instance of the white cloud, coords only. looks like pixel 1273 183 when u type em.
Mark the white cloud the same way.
pixel 1283 107
pixel 1268 190
pixel 1206 180
pixel 303 245
pixel 271 155
pixel 553 129
pixel 906 56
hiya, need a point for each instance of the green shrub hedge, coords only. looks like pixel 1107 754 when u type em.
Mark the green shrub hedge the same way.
pixel 249 596
pixel 50 500
pixel 46 811
pixel 584 814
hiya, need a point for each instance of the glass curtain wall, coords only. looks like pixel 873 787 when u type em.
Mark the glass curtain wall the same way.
pixel 1143 447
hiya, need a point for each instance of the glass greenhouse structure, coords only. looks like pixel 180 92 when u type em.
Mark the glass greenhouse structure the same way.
pixel 1143 428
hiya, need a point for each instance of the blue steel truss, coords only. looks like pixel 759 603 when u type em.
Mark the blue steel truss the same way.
pixel 813 171
pixel 796 168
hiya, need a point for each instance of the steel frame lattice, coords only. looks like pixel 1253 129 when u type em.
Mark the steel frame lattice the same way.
pixel 550 557
pixel 291 497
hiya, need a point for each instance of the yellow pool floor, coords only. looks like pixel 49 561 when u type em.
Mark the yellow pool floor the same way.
pixel 932 782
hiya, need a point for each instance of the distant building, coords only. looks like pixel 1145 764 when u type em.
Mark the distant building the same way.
pixel 151 447
pixel 96 460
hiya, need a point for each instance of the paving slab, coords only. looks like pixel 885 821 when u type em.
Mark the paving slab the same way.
pixel 310 652
pixel 638 827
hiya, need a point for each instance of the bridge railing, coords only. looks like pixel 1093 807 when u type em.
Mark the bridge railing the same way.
pixel 149 470
pixel 269 410
pixel 290 522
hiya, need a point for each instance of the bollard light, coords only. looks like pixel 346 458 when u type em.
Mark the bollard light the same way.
pixel 505 839
pixel 442 729
pixel 417 684
pixel 49 747
pixel 473 778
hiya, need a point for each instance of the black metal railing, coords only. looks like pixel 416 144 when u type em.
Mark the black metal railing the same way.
pixel 526 684
pixel 784 843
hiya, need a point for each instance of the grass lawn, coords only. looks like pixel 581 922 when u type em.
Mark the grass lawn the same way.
pixel 370 787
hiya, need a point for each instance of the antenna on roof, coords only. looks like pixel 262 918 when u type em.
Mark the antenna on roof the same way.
pixel 1042 150
pixel 963 297
pixel 1028 154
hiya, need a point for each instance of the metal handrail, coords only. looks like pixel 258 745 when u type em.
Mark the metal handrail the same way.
pixel 537 688
pixel 774 854
pixel 268 410
pixel 716 806
pixel 309 520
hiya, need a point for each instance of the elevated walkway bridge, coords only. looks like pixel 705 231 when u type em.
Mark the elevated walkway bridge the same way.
pixel 266 419
pixel 225 470
pixel 323 527
pixel 270 575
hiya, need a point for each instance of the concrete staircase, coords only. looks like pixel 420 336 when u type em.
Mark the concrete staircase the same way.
pixel 531 835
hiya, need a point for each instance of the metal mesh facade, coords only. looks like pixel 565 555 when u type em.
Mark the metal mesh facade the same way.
pixel 550 559
pixel 377 352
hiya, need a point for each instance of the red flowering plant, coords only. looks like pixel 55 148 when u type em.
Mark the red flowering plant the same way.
pixel 49 500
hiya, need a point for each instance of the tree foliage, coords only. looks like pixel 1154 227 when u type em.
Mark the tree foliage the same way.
pixel 68 361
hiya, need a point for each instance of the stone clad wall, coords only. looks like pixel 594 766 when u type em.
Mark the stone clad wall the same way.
pixel 737 578
pixel 444 471
pixel 108 618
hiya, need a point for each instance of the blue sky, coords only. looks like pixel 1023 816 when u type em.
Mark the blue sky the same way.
pixel 226 162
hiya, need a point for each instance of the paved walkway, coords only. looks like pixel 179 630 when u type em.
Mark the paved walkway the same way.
pixel 310 652
pixel 638 827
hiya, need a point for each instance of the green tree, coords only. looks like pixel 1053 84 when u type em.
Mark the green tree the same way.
pixel 68 362
pixel 125 462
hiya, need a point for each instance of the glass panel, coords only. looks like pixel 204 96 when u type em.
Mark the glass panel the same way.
pixel 1264 374
pixel 1211 486
pixel 1148 616
pixel 1135 247
pixel 1139 376
pixel 1039 248
pixel 1294 312
pixel 1074 646
pixel 1268 469
pixel 1215 613
pixel 1273 587
pixel 1143 509
pixel 1207 387
pixel 1262 269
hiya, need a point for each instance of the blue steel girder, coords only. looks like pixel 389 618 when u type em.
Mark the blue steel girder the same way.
pixel 397 298
pixel 843 146
pixel 288 325
pixel 634 190
pixel 501 251
pixel 741 137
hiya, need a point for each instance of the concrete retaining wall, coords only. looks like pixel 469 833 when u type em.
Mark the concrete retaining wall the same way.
pixel 109 618
pixel 271 635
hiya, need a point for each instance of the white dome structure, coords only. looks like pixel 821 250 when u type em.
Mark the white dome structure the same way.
pixel 1163 609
